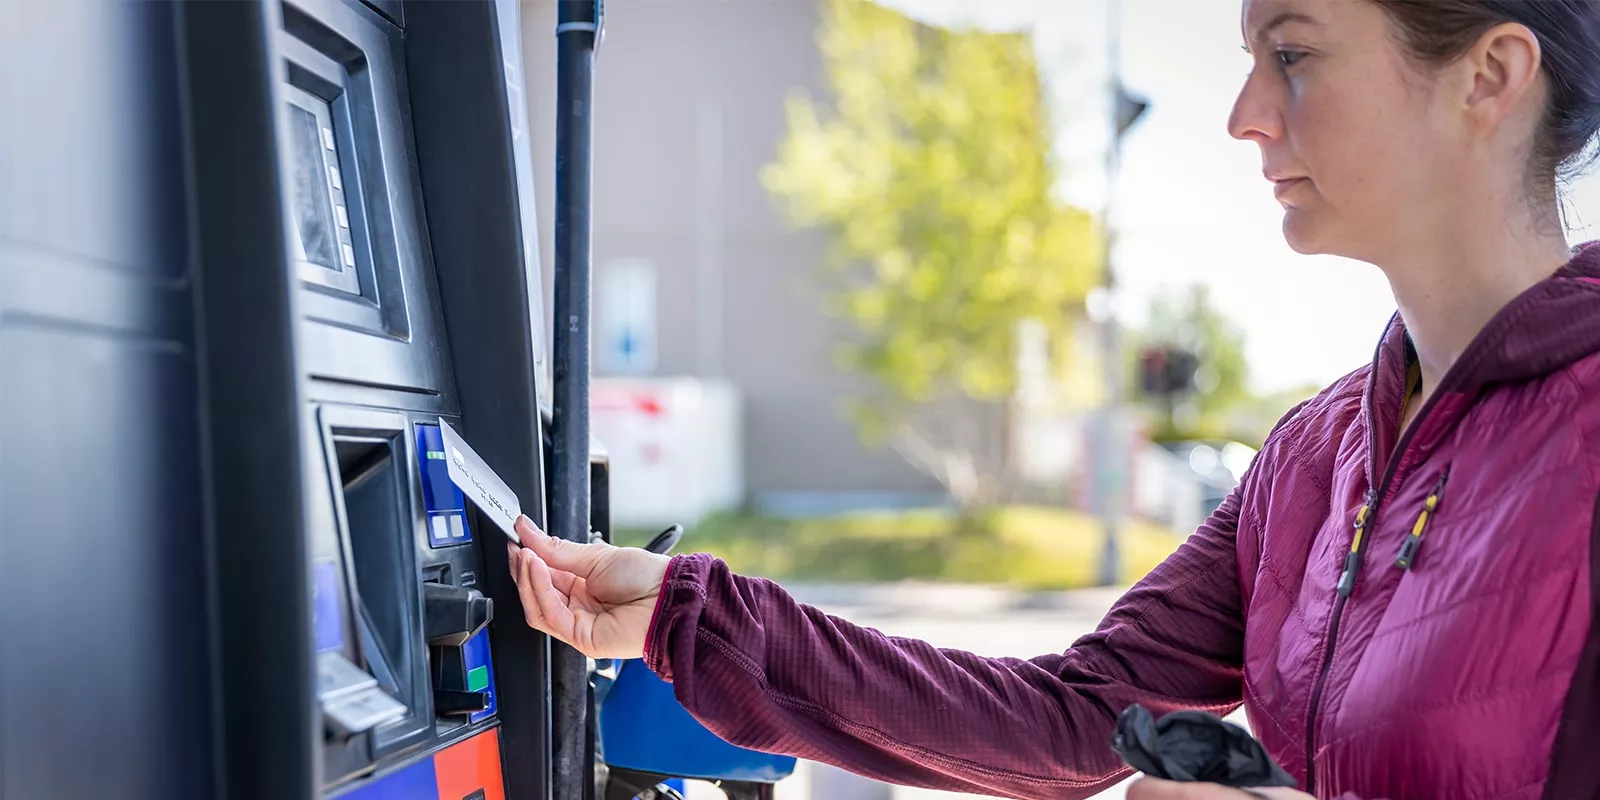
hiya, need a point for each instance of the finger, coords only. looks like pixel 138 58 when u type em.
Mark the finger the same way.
pixel 525 528
pixel 564 581
pixel 578 559
pixel 529 593
pixel 552 603
pixel 513 562
pixel 1157 789
pixel 530 603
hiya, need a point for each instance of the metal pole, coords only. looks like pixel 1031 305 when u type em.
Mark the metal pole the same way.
pixel 1109 454
pixel 577 33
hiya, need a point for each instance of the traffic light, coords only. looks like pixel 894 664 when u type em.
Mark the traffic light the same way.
pixel 1130 107
pixel 1167 371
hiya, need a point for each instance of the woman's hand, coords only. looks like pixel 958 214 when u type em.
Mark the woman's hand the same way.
pixel 595 597
pixel 1156 789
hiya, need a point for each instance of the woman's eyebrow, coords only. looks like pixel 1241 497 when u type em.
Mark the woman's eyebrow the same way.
pixel 1277 21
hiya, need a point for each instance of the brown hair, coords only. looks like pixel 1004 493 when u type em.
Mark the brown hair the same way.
pixel 1440 31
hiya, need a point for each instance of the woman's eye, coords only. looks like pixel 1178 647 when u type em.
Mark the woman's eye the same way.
pixel 1288 58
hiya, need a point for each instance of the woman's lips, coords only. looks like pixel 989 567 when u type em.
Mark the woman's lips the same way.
pixel 1282 186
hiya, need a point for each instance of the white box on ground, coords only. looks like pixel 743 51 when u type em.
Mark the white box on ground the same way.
pixel 675 447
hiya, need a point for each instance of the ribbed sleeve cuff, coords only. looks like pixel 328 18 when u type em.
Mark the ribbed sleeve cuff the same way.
pixel 678 608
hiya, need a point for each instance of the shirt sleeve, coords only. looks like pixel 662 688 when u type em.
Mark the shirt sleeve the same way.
pixel 768 673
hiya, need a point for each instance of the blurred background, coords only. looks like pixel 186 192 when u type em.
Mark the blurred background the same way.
pixel 955 287
pixel 864 249
pixel 949 286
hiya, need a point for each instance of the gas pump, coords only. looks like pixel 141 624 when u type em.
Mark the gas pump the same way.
pixel 393 213
pixel 251 253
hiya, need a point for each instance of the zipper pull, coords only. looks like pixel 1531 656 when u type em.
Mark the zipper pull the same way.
pixel 1413 541
pixel 1352 562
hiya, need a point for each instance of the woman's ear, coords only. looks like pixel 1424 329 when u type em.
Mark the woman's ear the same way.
pixel 1503 73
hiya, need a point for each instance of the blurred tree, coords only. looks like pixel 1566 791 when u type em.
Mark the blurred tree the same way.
pixel 1188 322
pixel 1254 420
pixel 933 172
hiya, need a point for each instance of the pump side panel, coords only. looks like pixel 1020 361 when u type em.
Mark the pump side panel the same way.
pixel 105 685
pixel 468 147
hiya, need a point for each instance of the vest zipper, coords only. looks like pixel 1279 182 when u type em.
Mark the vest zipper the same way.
pixel 1352 561
pixel 1413 541
pixel 1365 519
pixel 1347 584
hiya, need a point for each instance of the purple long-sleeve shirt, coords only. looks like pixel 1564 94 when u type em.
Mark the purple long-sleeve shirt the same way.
pixel 775 675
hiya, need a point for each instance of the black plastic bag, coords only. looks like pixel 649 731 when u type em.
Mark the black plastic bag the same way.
pixel 1195 746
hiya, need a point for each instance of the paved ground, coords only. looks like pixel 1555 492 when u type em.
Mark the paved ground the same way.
pixel 981 620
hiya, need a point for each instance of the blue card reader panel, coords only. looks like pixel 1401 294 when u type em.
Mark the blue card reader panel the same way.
pixel 445 504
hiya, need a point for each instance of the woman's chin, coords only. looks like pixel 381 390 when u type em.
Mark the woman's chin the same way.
pixel 1300 233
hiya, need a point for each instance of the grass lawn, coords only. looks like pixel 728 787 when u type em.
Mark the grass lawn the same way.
pixel 1023 547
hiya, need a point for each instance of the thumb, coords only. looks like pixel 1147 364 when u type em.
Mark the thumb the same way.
pixel 578 559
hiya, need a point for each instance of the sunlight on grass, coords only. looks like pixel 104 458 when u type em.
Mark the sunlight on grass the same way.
pixel 1023 547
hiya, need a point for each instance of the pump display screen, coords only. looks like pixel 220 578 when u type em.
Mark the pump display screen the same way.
pixel 317 204
pixel 313 210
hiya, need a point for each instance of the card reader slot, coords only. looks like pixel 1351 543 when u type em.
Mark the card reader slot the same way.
pixel 437 573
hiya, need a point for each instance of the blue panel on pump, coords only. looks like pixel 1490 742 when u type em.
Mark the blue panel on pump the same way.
pixel 419 781
pixel 480 672
pixel 446 506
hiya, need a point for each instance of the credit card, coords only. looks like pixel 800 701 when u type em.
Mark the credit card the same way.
pixel 477 481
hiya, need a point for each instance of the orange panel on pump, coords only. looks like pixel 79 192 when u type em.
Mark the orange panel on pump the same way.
pixel 472 767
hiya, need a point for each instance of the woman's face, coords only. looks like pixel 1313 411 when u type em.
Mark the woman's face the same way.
pixel 1350 132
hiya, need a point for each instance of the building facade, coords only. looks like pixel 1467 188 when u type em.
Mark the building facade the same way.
pixel 697 274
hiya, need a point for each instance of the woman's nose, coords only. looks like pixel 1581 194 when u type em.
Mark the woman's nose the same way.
pixel 1255 115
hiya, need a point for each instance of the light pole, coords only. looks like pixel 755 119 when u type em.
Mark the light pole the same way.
pixel 1110 450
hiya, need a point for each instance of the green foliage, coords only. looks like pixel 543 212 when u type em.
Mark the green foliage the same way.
pixel 932 170
pixel 1023 547
pixel 1190 320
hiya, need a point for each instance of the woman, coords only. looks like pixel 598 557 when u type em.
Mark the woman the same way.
pixel 1399 591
